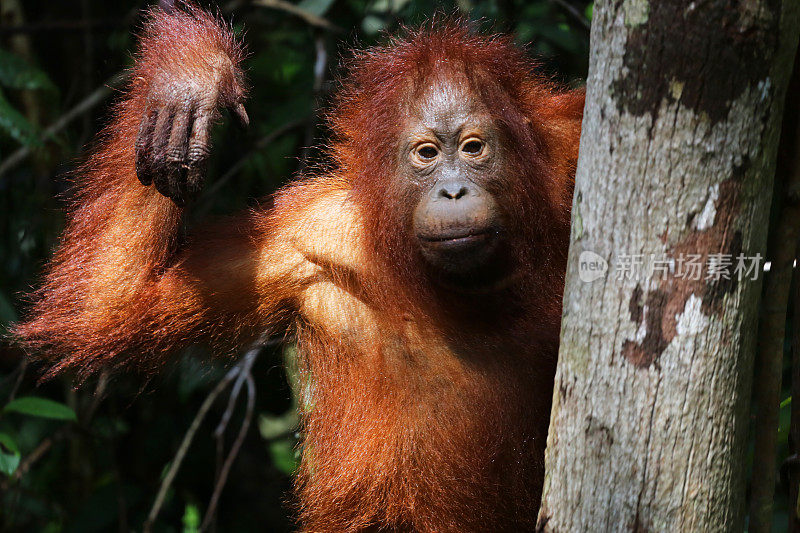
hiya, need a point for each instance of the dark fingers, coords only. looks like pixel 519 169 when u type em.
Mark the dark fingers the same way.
pixel 176 154
pixel 198 151
pixel 143 148
pixel 161 138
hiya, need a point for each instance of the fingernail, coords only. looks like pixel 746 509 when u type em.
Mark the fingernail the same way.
pixel 242 114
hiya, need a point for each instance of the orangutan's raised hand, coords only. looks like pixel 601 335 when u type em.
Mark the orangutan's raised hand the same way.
pixel 188 72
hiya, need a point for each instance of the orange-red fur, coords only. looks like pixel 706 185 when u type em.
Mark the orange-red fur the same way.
pixel 426 409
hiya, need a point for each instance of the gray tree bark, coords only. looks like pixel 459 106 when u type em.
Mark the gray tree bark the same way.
pixel 649 420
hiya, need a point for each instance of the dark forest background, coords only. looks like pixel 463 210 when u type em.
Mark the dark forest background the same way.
pixel 93 458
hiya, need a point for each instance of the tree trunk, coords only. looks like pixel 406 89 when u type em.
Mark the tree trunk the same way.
pixel 672 195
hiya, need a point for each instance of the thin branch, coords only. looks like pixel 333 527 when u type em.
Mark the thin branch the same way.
pixel 41 449
pixel 184 447
pixel 37 454
pixel 23 366
pixel 237 444
pixel 99 394
pixel 240 372
pixel 219 432
pixel 573 12
pixel 320 69
pixel 85 105
pixel 245 368
pixel 310 18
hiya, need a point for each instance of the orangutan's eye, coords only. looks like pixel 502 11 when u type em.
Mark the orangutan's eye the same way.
pixel 472 147
pixel 425 153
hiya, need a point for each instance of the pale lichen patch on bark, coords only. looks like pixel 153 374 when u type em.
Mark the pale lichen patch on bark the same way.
pixel 636 12
pixel 692 321
pixel 706 217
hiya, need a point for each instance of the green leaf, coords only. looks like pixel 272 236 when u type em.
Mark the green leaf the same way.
pixel 41 407
pixel 16 125
pixel 372 24
pixel 8 443
pixel 388 6
pixel 9 462
pixel 284 455
pixel 17 73
pixel 589 11
pixel 272 427
pixel 9 454
pixel 191 519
